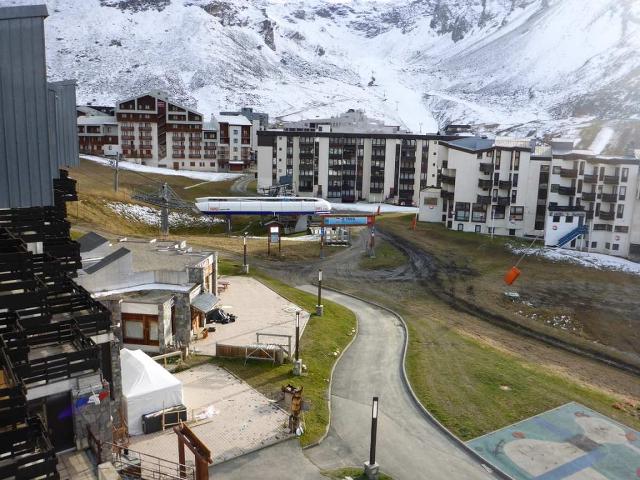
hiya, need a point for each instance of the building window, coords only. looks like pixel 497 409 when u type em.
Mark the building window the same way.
pixel 568 219
pixel 462 211
pixel 625 175
pixel 515 180
pixel 478 228
pixel 622 192
pixel 607 246
pixel 514 196
pixel 557 169
pixel 512 232
pixel 192 164
pixel 556 219
pixel 212 164
pixel 620 211
pixel 479 156
pixel 621 229
pixel 517 213
pixel 461 227
pixel 616 246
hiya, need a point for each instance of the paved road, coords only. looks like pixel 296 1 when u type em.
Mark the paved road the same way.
pixel 241 184
pixel 408 444
pixel 283 461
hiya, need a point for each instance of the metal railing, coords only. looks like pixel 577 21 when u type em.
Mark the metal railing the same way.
pixel 131 464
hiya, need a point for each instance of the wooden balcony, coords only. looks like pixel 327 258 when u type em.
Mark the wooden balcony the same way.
pixel 504 184
pixel 145 137
pixel 610 197
pixel 485 184
pixel 608 216
pixel 128 137
pixel 504 201
pixel 144 129
pixel 590 179
pixel 127 129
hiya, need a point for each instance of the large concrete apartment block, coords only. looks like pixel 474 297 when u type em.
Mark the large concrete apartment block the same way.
pixel 347 167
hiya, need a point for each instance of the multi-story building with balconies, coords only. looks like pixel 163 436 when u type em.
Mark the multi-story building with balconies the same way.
pixel 347 167
pixel 593 200
pixel 98 134
pixel 486 186
pixel 234 142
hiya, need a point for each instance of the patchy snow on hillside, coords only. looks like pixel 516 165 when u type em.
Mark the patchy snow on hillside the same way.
pixel 124 165
pixel 586 259
pixel 151 216
pixel 602 140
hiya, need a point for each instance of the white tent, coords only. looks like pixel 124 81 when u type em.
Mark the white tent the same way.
pixel 147 387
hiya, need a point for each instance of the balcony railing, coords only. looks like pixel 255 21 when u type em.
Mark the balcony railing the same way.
pixel 446 194
pixel 128 137
pixel 611 179
pixel 566 190
pixel 145 137
pixel 568 172
pixel 588 196
pixel 485 184
pixel 504 201
pixel 483 199
pixel 209 155
pixel 448 179
pixel 606 215
pixel 144 129
pixel 504 184
pixel 566 208
pixel 610 197
pixel 486 168
pixel 126 129
pixel 194 155
pixel 590 179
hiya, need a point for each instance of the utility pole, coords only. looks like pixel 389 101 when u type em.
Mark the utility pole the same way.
pixel 164 212
pixel 245 265
pixel 116 174
pixel 297 364
pixel 371 468
pixel 319 306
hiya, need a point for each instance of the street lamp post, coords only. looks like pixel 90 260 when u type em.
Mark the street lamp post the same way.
pixel 371 468
pixel 297 364
pixel 245 265
pixel 319 306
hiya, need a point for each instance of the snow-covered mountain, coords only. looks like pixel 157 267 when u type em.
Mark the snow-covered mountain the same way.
pixel 523 65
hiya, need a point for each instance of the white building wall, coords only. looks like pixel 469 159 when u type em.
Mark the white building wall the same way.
pixel 265 155
pixel 323 165
pixel 389 167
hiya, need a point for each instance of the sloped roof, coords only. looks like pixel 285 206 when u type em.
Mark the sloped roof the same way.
pixel 233 119
pixel 121 252
pixel 90 241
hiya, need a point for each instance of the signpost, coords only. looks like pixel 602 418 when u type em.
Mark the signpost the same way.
pixel 343 220
pixel 274 237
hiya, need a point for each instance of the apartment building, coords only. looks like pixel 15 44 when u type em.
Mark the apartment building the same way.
pixel 98 134
pixel 259 121
pixel 351 121
pixel 235 142
pixel 572 198
pixel 347 167
pixel 486 186
pixel 593 200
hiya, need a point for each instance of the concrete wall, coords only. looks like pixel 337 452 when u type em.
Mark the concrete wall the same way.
pixel 428 212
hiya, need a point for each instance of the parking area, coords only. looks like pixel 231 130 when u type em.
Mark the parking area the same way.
pixel 258 309
pixel 231 418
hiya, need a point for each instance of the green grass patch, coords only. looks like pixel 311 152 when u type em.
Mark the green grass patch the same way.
pixel 321 338
pixel 355 473
pixel 387 256
pixel 474 389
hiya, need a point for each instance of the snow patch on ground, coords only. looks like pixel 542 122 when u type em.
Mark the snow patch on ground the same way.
pixel 371 208
pixel 124 165
pixel 151 216
pixel 585 259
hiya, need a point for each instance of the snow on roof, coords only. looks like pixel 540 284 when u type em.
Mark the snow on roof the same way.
pixel 96 120
pixel 233 119
pixel 473 143
pixel 209 126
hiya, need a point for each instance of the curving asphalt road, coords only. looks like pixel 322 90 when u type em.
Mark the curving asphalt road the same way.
pixel 242 183
pixel 408 444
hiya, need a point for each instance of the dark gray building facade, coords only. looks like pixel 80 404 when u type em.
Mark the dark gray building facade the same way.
pixel 36 136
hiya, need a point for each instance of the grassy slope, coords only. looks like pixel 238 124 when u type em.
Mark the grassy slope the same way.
pixel 322 336
pixel 387 256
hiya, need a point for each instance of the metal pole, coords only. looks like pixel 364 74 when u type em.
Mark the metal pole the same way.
pixel 245 249
pixel 297 336
pixel 374 429
pixel 115 177
pixel 319 287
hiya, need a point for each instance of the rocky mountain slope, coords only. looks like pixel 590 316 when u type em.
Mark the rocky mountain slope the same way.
pixel 527 66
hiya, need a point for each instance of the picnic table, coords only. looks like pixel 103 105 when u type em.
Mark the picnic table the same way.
pixel 223 284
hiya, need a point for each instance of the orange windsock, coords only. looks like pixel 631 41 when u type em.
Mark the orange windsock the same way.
pixel 378 211
pixel 511 275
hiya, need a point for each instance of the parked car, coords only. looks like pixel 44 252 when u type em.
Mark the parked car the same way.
pixel 217 315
